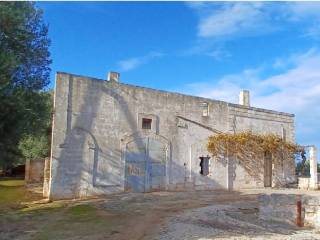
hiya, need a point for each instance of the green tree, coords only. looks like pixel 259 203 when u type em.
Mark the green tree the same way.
pixel 24 74
pixel 303 169
pixel 36 144
pixel 34 147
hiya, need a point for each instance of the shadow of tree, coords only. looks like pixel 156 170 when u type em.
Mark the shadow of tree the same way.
pixel 89 147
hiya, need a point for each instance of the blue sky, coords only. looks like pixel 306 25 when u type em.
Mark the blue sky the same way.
pixel 205 49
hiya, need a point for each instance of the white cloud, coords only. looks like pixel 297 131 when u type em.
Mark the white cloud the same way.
pixel 299 10
pixel 233 19
pixel 295 90
pixel 132 63
pixel 219 54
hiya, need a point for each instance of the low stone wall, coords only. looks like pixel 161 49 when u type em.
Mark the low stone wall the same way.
pixel 284 208
pixel 34 171
pixel 305 183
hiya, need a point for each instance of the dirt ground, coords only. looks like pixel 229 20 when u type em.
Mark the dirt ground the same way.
pixel 198 215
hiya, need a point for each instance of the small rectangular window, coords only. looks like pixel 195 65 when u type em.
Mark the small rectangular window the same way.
pixel 205 109
pixel 146 123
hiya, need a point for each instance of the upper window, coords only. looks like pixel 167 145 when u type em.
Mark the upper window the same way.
pixel 146 123
pixel 205 109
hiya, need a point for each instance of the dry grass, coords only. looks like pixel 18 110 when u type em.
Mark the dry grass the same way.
pixel 13 194
pixel 118 217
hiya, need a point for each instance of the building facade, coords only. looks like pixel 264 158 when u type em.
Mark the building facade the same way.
pixel 111 137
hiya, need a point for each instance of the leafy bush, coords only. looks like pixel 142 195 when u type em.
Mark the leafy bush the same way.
pixel 34 147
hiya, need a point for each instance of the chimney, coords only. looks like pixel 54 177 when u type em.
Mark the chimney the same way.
pixel 244 98
pixel 113 76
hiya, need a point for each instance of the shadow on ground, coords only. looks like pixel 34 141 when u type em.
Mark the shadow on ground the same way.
pixel 159 215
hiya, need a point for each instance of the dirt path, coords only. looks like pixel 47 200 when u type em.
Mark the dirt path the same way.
pixel 147 214
pixel 237 221
pixel 135 216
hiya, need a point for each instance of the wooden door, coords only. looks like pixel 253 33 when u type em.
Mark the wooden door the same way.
pixel 268 169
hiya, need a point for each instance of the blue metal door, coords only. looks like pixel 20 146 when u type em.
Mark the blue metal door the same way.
pixel 145 165
pixel 136 166
pixel 156 165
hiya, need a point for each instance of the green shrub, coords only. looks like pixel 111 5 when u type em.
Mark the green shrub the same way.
pixel 34 147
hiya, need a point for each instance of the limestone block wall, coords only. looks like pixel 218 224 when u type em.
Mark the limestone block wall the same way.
pixel 242 118
pixel 94 119
pixel 34 170
pixel 305 183
pixel 283 208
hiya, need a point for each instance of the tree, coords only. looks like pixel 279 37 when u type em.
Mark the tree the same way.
pixel 36 144
pixel 24 74
pixel 34 147
pixel 303 169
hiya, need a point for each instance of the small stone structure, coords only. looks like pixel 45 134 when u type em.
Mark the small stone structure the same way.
pixel 285 208
pixel 110 137
pixel 312 182
pixel 34 170
pixel 244 98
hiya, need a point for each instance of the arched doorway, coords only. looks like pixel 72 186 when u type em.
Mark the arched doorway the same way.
pixel 145 164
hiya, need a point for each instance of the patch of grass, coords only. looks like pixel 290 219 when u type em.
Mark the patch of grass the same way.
pixel 81 221
pixel 43 207
pixel 54 220
pixel 13 192
pixel 11 183
pixel 83 212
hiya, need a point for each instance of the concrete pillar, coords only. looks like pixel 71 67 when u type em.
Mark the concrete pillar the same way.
pixel 313 168
pixel 244 98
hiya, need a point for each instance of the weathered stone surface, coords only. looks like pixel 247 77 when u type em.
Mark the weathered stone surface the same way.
pixel 283 208
pixel 46 178
pixel 34 170
pixel 95 121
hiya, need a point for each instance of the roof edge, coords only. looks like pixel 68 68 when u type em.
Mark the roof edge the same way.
pixel 182 94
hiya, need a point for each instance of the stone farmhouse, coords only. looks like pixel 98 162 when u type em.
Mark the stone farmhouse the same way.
pixel 112 137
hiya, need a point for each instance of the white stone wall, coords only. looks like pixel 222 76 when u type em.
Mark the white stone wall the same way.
pixel 93 117
pixel 283 208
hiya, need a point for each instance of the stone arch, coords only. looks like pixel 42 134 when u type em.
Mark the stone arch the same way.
pixel 78 172
pixel 146 158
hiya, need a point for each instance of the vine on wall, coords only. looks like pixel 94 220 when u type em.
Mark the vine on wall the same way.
pixel 250 149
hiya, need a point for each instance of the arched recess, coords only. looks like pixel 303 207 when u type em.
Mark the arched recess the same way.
pixel 90 157
pixel 78 161
pixel 147 158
